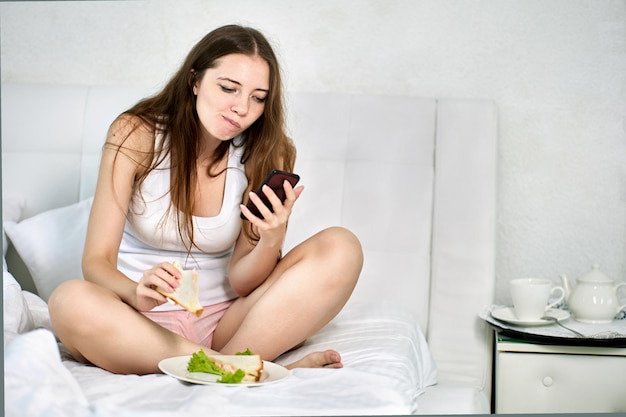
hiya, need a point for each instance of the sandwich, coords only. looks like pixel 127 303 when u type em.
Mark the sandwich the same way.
pixel 232 369
pixel 186 294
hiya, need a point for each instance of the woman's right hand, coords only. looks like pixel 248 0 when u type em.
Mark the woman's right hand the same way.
pixel 164 276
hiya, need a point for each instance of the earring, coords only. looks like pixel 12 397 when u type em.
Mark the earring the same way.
pixel 192 79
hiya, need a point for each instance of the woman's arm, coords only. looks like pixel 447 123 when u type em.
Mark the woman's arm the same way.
pixel 252 264
pixel 124 157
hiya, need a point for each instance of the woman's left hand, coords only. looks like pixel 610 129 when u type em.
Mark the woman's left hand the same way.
pixel 273 226
pixel 252 262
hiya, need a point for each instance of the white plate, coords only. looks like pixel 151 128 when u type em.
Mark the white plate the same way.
pixel 507 314
pixel 177 367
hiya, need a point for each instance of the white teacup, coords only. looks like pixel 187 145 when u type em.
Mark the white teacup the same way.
pixel 531 295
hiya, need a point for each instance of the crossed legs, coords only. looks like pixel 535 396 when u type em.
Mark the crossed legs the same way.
pixel 308 287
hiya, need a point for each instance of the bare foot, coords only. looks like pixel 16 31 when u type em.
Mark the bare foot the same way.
pixel 325 359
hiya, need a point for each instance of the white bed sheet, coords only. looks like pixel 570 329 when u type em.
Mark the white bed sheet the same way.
pixel 387 366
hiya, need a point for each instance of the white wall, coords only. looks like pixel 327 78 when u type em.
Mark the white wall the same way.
pixel 556 68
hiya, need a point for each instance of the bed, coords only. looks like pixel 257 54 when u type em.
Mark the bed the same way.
pixel 413 177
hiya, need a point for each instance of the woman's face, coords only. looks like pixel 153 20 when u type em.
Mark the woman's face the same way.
pixel 231 96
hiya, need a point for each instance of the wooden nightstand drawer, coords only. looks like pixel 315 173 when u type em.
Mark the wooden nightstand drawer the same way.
pixel 559 382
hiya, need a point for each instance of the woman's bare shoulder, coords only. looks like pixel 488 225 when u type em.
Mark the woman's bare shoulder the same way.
pixel 131 137
pixel 131 132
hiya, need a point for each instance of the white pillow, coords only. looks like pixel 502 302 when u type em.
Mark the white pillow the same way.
pixel 38 310
pixel 12 207
pixel 16 314
pixel 51 244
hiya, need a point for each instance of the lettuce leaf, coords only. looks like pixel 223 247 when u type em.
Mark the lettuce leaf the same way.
pixel 232 378
pixel 200 362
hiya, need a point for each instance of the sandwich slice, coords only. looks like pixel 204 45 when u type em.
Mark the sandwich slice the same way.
pixel 186 294
pixel 233 369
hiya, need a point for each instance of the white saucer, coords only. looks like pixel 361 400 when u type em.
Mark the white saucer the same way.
pixel 507 314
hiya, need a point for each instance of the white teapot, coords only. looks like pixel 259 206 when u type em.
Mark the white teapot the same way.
pixel 594 299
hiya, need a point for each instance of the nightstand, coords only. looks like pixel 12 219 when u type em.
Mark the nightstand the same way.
pixel 532 377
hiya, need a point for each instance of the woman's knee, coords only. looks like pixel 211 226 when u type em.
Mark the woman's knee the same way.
pixel 337 260
pixel 71 301
pixel 340 247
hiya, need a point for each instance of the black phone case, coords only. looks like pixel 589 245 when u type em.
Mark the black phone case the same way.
pixel 274 180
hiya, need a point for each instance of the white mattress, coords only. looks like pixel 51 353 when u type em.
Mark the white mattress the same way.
pixel 387 366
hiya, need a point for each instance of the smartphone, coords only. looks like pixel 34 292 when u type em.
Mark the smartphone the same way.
pixel 275 181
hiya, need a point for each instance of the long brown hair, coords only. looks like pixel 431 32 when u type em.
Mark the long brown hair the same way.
pixel 171 114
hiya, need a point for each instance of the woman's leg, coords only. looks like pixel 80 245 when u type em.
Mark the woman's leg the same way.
pixel 308 287
pixel 305 291
pixel 96 326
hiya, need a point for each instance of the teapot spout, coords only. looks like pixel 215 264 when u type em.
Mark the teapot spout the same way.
pixel 566 287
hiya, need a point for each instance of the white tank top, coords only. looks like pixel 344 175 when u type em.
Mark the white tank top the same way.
pixel 149 240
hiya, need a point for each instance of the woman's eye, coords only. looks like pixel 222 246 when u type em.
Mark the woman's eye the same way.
pixel 227 89
pixel 260 99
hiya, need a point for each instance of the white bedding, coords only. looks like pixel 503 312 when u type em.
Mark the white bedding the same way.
pixel 387 365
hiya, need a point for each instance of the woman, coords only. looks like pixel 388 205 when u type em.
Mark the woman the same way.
pixel 174 172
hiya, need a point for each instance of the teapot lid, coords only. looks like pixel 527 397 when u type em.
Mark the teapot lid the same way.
pixel 595 276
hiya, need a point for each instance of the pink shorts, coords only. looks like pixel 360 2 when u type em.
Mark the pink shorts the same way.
pixel 188 325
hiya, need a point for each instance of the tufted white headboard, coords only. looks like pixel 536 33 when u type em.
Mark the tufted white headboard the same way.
pixel 413 177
